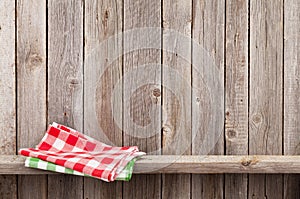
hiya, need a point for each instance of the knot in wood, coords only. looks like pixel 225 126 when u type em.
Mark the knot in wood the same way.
pixel 257 118
pixel 166 129
pixel 34 60
pixel 231 134
pixel 247 162
pixel 73 83
pixel 156 92
pixel 106 14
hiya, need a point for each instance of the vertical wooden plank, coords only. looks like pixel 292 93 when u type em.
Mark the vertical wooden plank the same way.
pixel 8 187
pixel 65 89
pixel 176 137
pixel 142 14
pixel 103 19
pixel 208 31
pixel 291 91
pixel 31 84
pixel 236 92
pixel 265 108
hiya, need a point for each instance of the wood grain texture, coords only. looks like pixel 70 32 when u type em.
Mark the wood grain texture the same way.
pixel 265 108
pixel 291 91
pixel 144 99
pixel 208 32
pixel 236 92
pixel 176 127
pixel 103 19
pixel 221 27
pixel 8 188
pixel 31 84
pixel 65 88
pixel 13 164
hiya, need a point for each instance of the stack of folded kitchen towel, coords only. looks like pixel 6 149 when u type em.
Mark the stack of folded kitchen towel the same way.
pixel 66 150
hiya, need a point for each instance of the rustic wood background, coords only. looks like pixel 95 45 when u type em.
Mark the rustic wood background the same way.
pixel 44 76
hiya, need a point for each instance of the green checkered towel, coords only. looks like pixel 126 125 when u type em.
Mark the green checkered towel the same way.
pixel 125 175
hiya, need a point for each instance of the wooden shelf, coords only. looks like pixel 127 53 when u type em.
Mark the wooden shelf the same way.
pixel 13 164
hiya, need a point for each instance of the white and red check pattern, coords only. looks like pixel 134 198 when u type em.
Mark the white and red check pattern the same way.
pixel 69 148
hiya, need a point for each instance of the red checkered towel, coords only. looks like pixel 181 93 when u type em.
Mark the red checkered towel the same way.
pixel 69 148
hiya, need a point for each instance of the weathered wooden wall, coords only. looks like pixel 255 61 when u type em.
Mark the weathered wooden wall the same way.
pixel 47 74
